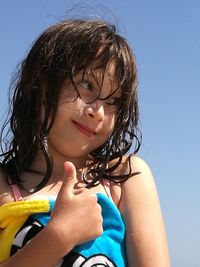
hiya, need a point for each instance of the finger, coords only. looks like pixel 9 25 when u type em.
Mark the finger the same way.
pixel 69 179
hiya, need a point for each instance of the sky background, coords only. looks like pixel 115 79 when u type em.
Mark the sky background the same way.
pixel 165 36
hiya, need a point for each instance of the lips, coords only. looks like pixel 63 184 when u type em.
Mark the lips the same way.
pixel 84 129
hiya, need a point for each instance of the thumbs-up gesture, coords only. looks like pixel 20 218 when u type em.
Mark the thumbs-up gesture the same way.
pixel 76 217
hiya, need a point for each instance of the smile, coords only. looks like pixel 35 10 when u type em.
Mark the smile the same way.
pixel 84 129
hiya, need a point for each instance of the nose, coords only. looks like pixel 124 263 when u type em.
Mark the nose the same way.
pixel 96 110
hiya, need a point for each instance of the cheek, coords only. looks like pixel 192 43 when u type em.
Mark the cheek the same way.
pixel 68 95
pixel 72 103
pixel 110 122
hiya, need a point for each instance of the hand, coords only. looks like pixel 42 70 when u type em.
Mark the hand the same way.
pixel 76 217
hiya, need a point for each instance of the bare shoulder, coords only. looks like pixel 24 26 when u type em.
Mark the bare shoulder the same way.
pixel 140 171
pixel 5 192
pixel 138 165
pixel 140 187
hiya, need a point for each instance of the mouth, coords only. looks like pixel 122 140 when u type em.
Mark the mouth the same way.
pixel 84 129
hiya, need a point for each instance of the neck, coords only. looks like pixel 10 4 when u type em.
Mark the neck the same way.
pixel 39 164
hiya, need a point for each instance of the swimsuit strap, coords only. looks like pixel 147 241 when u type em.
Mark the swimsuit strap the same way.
pixel 106 184
pixel 18 196
pixel 16 191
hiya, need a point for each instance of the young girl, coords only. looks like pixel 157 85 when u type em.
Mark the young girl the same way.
pixel 69 193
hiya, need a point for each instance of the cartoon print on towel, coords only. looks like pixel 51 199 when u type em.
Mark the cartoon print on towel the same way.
pixel 74 259
pixel 77 260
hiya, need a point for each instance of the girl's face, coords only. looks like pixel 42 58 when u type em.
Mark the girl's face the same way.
pixel 84 123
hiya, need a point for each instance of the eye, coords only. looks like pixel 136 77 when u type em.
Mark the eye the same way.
pixel 113 101
pixel 85 85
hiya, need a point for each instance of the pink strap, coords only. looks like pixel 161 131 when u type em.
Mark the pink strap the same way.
pixel 16 192
pixel 106 185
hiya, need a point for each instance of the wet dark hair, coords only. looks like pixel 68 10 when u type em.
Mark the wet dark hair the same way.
pixel 58 54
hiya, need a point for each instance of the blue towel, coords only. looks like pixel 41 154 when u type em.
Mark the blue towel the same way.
pixel 106 250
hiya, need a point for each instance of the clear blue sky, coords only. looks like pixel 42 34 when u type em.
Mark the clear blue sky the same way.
pixel 166 39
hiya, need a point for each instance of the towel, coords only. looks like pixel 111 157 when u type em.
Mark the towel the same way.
pixel 108 249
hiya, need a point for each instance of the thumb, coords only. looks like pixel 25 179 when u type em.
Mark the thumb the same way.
pixel 69 179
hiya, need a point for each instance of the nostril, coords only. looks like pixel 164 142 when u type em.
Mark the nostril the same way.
pixel 91 115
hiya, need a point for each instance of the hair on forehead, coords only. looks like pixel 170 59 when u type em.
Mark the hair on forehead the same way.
pixel 100 78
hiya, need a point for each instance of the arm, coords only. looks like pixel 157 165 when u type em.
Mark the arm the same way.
pixel 146 242
pixel 55 240
pixel 39 252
